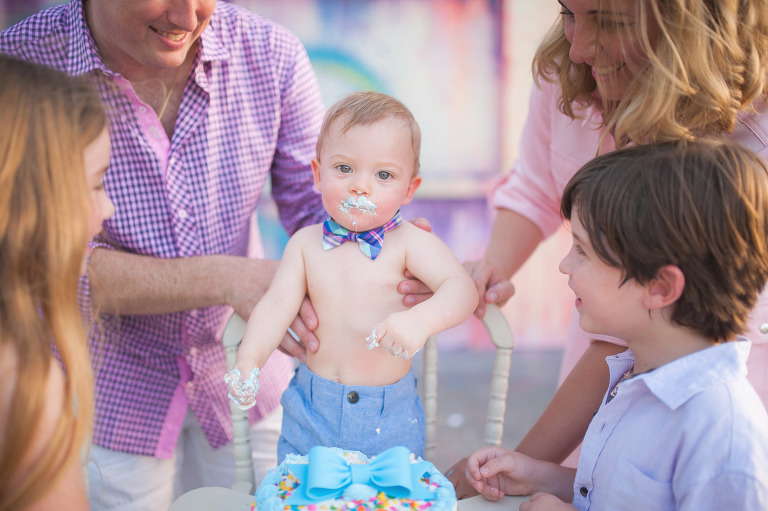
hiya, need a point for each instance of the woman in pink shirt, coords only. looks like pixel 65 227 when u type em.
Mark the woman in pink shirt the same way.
pixel 614 73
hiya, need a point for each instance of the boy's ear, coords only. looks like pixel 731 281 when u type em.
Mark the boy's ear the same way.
pixel 412 187
pixel 316 173
pixel 665 289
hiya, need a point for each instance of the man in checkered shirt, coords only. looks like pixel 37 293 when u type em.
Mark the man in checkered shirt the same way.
pixel 206 102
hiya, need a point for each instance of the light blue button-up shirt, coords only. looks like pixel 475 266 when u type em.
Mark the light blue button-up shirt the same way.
pixel 689 435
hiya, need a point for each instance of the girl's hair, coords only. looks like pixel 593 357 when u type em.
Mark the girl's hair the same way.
pixel 710 61
pixel 701 206
pixel 47 119
pixel 368 107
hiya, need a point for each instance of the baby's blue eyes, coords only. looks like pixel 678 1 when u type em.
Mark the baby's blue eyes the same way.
pixel 384 175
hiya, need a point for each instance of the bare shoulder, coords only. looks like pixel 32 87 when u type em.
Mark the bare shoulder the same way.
pixel 306 237
pixel 417 238
pixel 70 486
pixel 54 397
pixel 307 232
pixel 8 375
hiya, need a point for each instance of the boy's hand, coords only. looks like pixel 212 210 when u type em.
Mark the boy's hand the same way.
pixel 457 476
pixel 495 472
pixel 545 502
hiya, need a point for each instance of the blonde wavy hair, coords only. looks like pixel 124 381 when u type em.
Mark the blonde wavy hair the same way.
pixel 711 60
pixel 47 119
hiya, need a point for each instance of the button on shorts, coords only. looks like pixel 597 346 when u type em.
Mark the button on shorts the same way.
pixel 317 411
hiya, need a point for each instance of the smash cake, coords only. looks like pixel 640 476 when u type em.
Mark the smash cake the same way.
pixel 332 479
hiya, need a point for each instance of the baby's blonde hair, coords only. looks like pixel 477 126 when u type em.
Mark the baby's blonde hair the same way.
pixel 711 60
pixel 363 108
pixel 47 119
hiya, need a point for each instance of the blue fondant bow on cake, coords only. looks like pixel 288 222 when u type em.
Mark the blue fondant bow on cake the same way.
pixel 328 475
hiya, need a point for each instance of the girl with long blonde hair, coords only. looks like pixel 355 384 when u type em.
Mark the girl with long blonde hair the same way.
pixel 54 151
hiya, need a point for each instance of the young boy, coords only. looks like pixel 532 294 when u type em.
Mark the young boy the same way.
pixel 358 391
pixel 669 253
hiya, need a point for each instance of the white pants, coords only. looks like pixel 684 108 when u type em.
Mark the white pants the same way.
pixel 129 482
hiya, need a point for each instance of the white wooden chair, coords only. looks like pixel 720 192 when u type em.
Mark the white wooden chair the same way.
pixel 244 486
pixel 501 337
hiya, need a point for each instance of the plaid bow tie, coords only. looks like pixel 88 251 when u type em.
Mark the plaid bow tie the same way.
pixel 370 242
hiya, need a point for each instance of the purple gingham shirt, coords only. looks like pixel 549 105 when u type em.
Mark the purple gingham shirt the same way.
pixel 251 110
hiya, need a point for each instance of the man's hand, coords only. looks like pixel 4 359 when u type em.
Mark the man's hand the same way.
pixel 304 328
pixel 415 291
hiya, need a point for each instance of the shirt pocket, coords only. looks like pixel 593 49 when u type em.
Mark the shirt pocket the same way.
pixel 633 488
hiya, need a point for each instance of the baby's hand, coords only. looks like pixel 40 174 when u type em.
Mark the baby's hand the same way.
pixel 242 393
pixel 395 338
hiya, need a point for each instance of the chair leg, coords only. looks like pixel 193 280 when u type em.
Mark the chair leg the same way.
pixel 241 430
pixel 497 402
pixel 429 399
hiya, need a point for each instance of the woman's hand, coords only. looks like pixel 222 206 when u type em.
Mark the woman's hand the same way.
pixel 492 286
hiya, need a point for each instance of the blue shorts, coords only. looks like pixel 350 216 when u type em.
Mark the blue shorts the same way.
pixel 317 411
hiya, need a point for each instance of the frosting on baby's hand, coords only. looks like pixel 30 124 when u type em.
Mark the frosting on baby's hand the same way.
pixel 372 341
pixel 242 393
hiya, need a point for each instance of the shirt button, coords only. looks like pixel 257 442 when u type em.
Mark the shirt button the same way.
pixel 764 328
pixel 190 385
pixel 193 313
pixel 142 109
pixel 583 491
pixel 172 161
pixel 193 351
pixel 353 397
pixel 183 214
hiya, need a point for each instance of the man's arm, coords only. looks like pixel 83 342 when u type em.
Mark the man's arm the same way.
pixel 123 283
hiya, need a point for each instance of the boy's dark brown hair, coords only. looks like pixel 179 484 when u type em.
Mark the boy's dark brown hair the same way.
pixel 701 206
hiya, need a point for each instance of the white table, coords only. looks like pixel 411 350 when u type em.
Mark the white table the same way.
pixel 479 503
pixel 214 498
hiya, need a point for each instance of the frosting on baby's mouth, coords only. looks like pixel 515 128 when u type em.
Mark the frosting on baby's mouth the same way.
pixel 360 203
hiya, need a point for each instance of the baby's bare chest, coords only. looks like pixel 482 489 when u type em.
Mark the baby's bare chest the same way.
pixel 345 279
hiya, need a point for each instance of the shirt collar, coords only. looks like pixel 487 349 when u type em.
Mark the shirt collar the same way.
pixel 211 44
pixel 82 53
pixel 678 381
